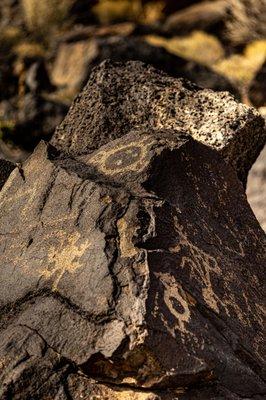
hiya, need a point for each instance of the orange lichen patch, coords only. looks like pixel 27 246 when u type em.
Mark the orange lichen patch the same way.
pixel 198 46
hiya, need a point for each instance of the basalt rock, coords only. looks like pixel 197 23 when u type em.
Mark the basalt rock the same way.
pixel 75 61
pixel 133 271
pixel 34 119
pixel 122 96
pixel 245 22
pixel 237 22
pixel 10 13
pixel 206 15
pixel 256 188
pixel 8 81
pixel 257 90
pixel 6 167
pixel 172 5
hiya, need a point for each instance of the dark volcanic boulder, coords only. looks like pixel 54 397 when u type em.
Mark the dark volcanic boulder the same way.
pixel 133 272
pixel 75 61
pixel 35 119
pixel 236 22
pixel 257 90
pixel 122 96
pixel 245 22
pixel 10 12
pixel 173 5
pixel 206 15
pixel 6 167
pixel 256 188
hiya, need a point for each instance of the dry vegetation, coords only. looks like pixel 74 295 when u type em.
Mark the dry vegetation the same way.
pixel 45 14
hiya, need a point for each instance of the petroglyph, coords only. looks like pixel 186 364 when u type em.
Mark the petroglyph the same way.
pixel 123 158
pixel 138 275
pixel 65 256
pixel 126 234
pixel 202 264
pixel 23 196
pixel 55 224
pixel 176 301
pixel 203 267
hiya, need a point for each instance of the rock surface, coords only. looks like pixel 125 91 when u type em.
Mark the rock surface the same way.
pixel 75 61
pixel 6 167
pixel 246 21
pixel 206 15
pixel 122 96
pixel 237 22
pixel 35 119
pixel 138 273
pixel 10 13
pixel 256 189
pixel 257 90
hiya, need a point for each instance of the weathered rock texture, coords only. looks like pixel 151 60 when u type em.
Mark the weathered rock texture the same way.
pixel 75 61
pixel 246 21
pixel 257 90
pixel 10 13
pixel 35 119
pixel 235 21
pixel 206 15
pixel 133 272
pixel 122 96
pixel 256 188
pixel 6 167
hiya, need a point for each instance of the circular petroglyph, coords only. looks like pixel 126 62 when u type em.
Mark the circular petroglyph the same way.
pixel 124 158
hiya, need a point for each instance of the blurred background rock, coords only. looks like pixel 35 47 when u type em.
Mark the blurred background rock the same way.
pixel 49 47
